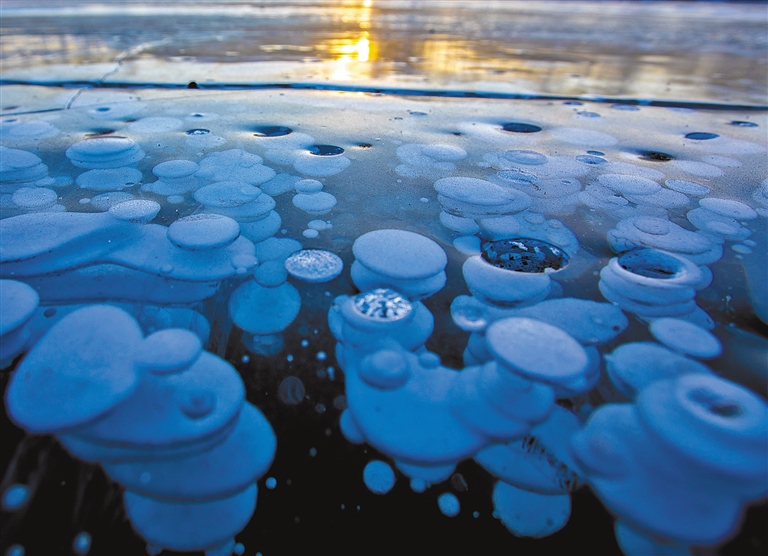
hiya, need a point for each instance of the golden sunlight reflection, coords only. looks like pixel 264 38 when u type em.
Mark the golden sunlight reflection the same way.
pixel 520 47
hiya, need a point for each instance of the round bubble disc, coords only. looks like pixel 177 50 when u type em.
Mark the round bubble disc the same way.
pixel 314 265
pixel 101 146
pixel 169 351
pixel 175 169
pixel 135 210
pixel 399 254
pixel 18 302
pixel 201 232
pixel 377 308
pixel 711 420
pixel 385 369
pixel 537 350
pixel 78 371
pixel 686 337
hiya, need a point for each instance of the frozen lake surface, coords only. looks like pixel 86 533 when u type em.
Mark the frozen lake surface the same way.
pixel 419 279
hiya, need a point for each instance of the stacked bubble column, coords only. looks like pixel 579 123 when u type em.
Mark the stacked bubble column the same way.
pixel 679 464
pixel 164 418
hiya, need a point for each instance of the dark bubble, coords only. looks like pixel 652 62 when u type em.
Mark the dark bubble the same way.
pixel 291 391
pixel 364 146
pixel 103 109
pixel 272 131
pixel 714 403
pixel 650 263
pixel 596 153
pixel 198 132
pixel 459 483
pixel 192 85
pixel 10 107
pixel 573 103
pixel 655 156
pixel 100 132
pixel 524 255
pixel 457 133
pixel 588 114
pixel 325 150
pixel 742 123
pixel 701 135
pixel 591 160
pixel 49 312
pixel 520 127
pixel 417 113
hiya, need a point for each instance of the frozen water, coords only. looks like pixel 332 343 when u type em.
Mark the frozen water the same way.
pixel 423 195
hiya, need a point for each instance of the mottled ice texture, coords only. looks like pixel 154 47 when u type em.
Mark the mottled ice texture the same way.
pixel 314 265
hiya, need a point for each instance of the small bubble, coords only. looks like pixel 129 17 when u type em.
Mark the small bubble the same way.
pixel 198 131
pixel 520 127
pixel 304 343
pixel 325 150
pixel 272 131
pixel 741 123
pixel 245 359
pixel 14 497
pixel 270 483
pixel 321 356
pixel 291 391
pixel 459 483
pixel 701 135
pixel 82 543
pixel 312 452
